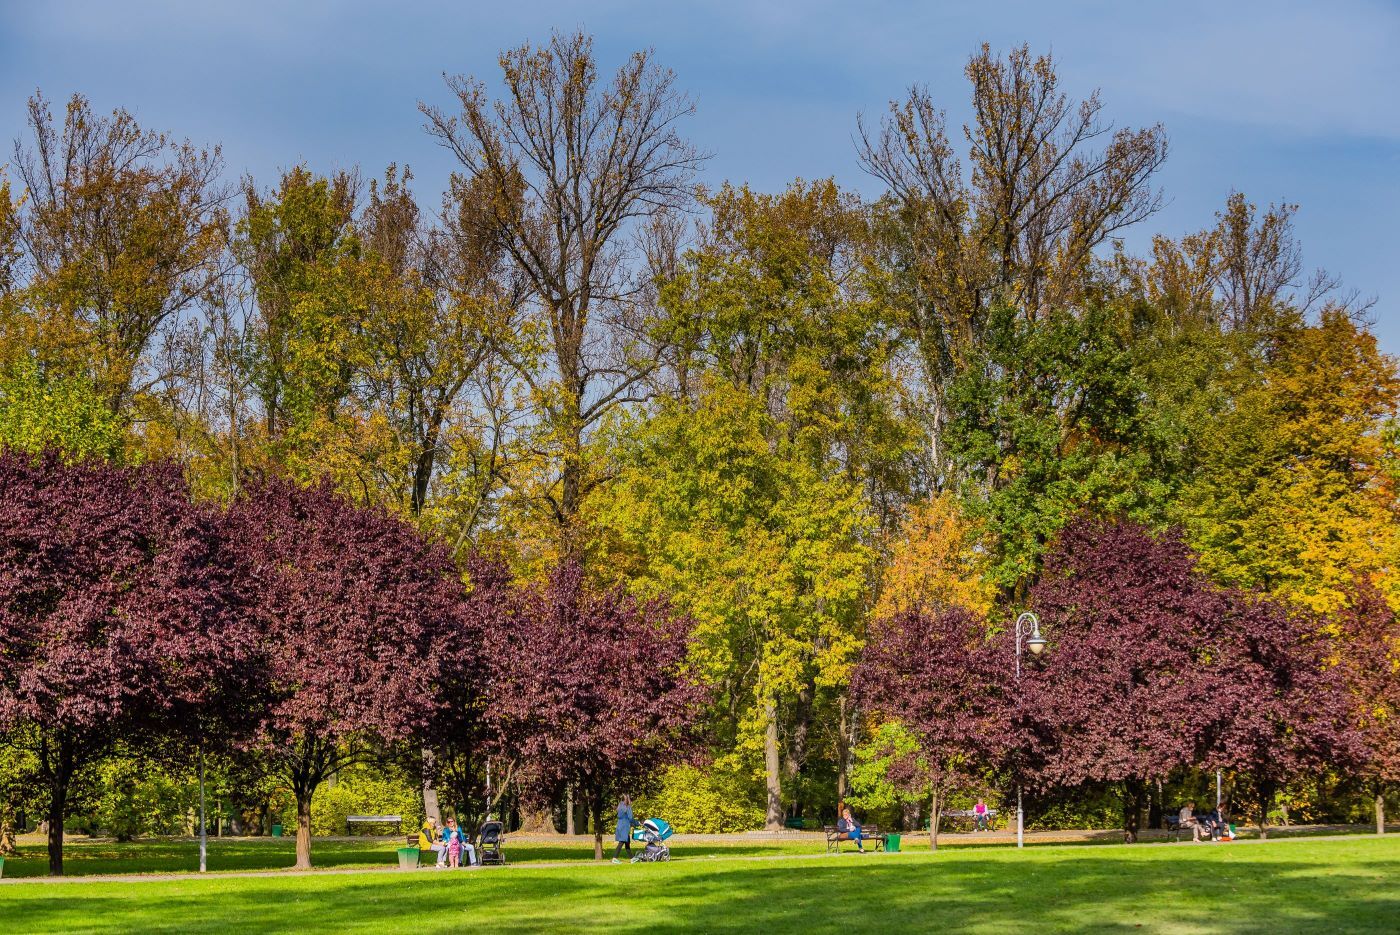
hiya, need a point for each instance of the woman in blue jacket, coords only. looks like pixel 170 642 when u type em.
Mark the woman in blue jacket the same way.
pixel 623 835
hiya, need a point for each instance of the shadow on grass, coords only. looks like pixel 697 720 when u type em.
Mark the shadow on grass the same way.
pixel 1331 888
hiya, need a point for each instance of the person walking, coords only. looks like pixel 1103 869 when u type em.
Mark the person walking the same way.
pixel 623 834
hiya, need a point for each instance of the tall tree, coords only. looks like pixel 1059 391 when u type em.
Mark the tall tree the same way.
pixel 123 231
pixel 1021 229
pixel 569 168
pixel 349 602
pixel 118 610
pixel 768 555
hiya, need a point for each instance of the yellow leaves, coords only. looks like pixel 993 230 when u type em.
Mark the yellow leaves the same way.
pixel 938 559
pixel 1296 495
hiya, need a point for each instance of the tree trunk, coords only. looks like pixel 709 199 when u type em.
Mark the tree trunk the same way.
pixel 843 751
pixel 569 811
pixel 58 801
pixel 772 767
pixel 597 827
pixel 431 809
pixel 1380 811
pixel 7 830
pixel 935 812
pixel 1156 808
pixel 303 831
pixel 1266 799
pixel 60 772
pixel 1133 794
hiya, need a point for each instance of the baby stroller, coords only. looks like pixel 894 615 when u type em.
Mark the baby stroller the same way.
pixel 653 833
pixel 488 843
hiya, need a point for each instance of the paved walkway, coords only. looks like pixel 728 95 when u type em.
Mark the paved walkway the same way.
pixel 1276 836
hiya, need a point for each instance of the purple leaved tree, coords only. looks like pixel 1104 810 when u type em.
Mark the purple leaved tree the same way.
pixel 1282 709
pixel 1127 687
pixel 932 670
pixel 475 732
pixel 351 603
pixel 594 689
pixel 1368 645
pixel 118 614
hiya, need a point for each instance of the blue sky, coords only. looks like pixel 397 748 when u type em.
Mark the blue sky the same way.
pixel 1282 100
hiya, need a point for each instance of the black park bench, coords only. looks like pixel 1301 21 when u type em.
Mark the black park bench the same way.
pixel 869 834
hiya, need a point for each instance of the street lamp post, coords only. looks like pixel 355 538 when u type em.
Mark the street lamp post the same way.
pixel 1036 644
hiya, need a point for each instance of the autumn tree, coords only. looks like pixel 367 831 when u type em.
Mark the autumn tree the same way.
pixel 349 602
pixel 937 560
pixel 1130 683
pixel 1047 183
pixel 931 669
pixel 123 232
pixel 568 167
pixel 298 247
pixel 769 318
pixel 765 552
pixel 119 609
pixel 1295 493
pixel 1282 711
pixel 597 691
pixel 1368 643
pixel 442 311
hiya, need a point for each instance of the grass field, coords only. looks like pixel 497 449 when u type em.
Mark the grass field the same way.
pixel 1319 885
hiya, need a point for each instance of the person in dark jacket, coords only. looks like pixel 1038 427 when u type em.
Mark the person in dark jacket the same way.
pixel 623 834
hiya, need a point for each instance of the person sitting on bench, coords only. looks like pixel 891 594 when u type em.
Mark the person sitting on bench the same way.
pixel 1188 819
pixel 979 812
pixel 849 828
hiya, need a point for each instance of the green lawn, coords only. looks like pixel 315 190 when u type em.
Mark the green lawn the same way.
pixel 87 858
pixel 1338 885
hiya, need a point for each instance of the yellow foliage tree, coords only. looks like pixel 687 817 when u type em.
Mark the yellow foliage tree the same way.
pixel 937 559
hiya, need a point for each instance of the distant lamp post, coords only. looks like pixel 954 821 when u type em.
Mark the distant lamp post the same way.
pixel 1036 643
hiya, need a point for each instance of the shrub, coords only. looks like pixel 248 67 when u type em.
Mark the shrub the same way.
pixel 704 801
pixel 360 790
pixel 133 798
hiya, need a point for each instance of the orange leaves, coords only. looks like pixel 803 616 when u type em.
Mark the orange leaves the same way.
pixel 938 560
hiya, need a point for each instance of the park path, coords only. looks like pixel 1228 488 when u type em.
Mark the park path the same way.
pixel 1277 836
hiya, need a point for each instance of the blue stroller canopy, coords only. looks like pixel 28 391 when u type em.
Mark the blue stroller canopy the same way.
pixel 653 829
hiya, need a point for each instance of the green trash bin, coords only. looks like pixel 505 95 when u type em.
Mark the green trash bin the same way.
pixel 891 844
pixel 408 858
pixel 276 831
pixel 2 866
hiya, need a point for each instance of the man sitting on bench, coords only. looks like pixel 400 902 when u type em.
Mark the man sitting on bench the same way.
pixel 849 829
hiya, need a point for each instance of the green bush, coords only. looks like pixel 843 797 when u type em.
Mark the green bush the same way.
pixel 704 801
pixel 132 798
pixel 360 790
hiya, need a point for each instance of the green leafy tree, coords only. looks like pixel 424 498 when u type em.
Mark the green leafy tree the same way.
pixel 39 411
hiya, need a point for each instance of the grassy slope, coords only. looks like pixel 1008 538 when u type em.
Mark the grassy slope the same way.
pixel 1287 886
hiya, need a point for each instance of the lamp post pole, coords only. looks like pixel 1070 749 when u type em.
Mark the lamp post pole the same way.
pixel 1036 644
pixel 203 838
